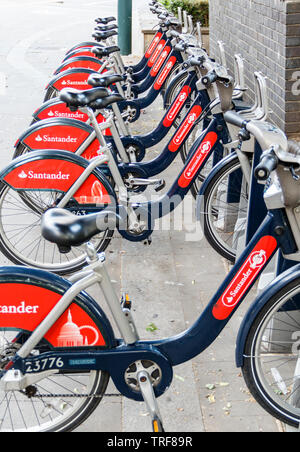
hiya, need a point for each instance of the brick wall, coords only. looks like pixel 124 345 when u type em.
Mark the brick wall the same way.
pixel 267 34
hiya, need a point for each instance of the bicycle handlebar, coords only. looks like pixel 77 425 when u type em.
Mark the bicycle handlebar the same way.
pixel 209 79
pixel 193 61
pixel 268 163
pixel 235 119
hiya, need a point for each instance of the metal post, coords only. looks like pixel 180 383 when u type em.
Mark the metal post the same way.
pixel 125 26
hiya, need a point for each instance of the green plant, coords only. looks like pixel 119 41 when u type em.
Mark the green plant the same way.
pixel 199 9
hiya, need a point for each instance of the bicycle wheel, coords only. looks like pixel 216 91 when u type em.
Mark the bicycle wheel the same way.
pixel 51 93
pixel 21 149
pixel 58 403
pixel 224 209
pixel 20 232
pixel 272 361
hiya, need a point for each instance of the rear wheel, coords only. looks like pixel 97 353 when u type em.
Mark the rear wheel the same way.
pixel 58 403
pixel 51 93
pixel 20 232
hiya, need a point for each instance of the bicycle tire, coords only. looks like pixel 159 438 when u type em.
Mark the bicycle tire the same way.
pixel 210 216
pixel 272 381
pixel 20 237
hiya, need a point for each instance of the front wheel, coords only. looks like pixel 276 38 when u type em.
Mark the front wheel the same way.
pixel 222 209
pixel 272 360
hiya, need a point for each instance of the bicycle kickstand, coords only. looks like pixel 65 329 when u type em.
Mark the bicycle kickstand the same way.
pixel 150 401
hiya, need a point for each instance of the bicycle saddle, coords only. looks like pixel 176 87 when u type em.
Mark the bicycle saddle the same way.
pixel 104 81
pixel 102 36
pixel 105 20
pixel 75 98
pixel 99 104
pixel 106 27
pixel 65 229
pixel 105 51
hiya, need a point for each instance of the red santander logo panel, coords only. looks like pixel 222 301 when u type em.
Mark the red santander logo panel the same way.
pixel 56 137
pixel 243 280
pixel 25 306
pixel 176 106
pixel 164 73
pixel 156 53
pixel 158 65
pixel 60 175
pixel 185 128
pixel 78 80
pixel 199 158
pixel 61 111
pixel 153 45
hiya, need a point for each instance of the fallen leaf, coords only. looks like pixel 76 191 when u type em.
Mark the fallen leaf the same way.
pixel 211 398
pixel 178 377
pixel 151 328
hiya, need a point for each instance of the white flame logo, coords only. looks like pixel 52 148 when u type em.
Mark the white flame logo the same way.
pixel 23 175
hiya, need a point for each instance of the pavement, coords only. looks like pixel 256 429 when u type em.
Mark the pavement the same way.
pixel 169 282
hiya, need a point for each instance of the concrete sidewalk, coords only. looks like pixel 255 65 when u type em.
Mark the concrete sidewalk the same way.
pixel 171 281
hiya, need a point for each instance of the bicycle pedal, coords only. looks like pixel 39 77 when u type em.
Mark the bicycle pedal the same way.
pixel 150 401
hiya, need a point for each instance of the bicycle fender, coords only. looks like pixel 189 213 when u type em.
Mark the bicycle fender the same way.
pixel 80 62
pixel 73 78
pixel 58 170
pixel 27 297
pixel 61 134
pixel 55 108
pixel 83 45
pixel 276 285
pixel 212 174
pixel 82 51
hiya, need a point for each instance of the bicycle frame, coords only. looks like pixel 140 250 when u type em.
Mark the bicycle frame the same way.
pixel 167 352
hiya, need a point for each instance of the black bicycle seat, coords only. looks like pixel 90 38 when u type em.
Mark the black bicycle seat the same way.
pixel 75 98
pixel 101 52
pixel 66 229
pixel 102 36
pixel 105 20
pixel 100 104
pixel 104 81
pixel 106 27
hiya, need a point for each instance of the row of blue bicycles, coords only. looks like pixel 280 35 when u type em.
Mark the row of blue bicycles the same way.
pixel 74 182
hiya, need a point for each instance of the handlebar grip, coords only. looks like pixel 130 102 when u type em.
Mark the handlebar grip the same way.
pixel 235 119
pixel 193 61
pixel 268 163
pixel 209 79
